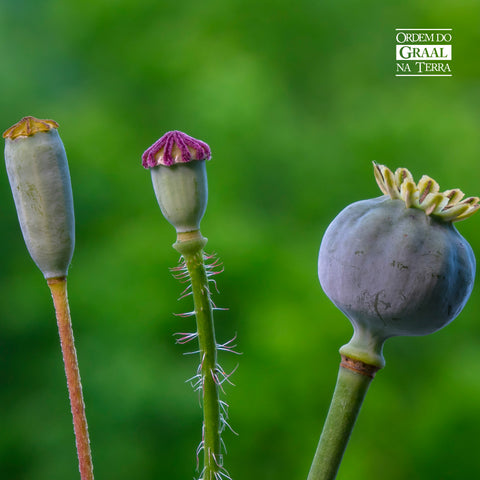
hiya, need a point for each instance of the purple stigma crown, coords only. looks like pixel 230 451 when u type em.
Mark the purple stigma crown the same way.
pixel 175 147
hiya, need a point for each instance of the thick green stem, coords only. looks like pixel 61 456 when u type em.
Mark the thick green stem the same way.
pixel 353 380
pixel 192 252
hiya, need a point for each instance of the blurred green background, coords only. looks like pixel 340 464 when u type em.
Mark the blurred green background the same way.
pixel 295 100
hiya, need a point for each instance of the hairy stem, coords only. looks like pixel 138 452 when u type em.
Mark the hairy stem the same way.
pixel 353 380
pixel 58 288
pixel 192 252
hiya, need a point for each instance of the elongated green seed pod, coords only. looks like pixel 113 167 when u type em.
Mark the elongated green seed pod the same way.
pixel 40 181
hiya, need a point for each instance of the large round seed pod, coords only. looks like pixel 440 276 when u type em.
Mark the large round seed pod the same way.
pixel 396 265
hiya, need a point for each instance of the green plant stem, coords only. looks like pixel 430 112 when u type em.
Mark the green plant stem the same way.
pixel 58 288
pixel 192 252
pixel 353 380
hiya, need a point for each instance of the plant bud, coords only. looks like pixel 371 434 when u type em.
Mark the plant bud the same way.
pixel 179 177
pixel 40 181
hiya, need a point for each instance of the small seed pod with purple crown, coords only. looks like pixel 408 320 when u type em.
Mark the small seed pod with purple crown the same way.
pixel 177 164
pixel 394 265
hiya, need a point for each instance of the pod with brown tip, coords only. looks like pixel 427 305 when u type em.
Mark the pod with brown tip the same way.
pixel 40 181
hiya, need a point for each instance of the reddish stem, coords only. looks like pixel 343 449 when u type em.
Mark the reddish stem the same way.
pixel 58 287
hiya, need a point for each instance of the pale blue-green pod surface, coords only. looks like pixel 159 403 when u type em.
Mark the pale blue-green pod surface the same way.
pixel 40 181
pixel 393 271
pixel 182 193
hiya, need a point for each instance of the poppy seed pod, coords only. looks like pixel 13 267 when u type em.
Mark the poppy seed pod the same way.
pixel 40 181
pixel 179 177
pixel 396 265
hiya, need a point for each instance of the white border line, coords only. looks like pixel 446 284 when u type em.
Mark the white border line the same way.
pixel 423 29
pixel 420 75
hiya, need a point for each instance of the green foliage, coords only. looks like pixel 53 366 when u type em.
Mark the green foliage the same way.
pixel 295 99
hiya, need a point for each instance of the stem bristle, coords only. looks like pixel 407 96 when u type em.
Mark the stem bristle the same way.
pixel 198 270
